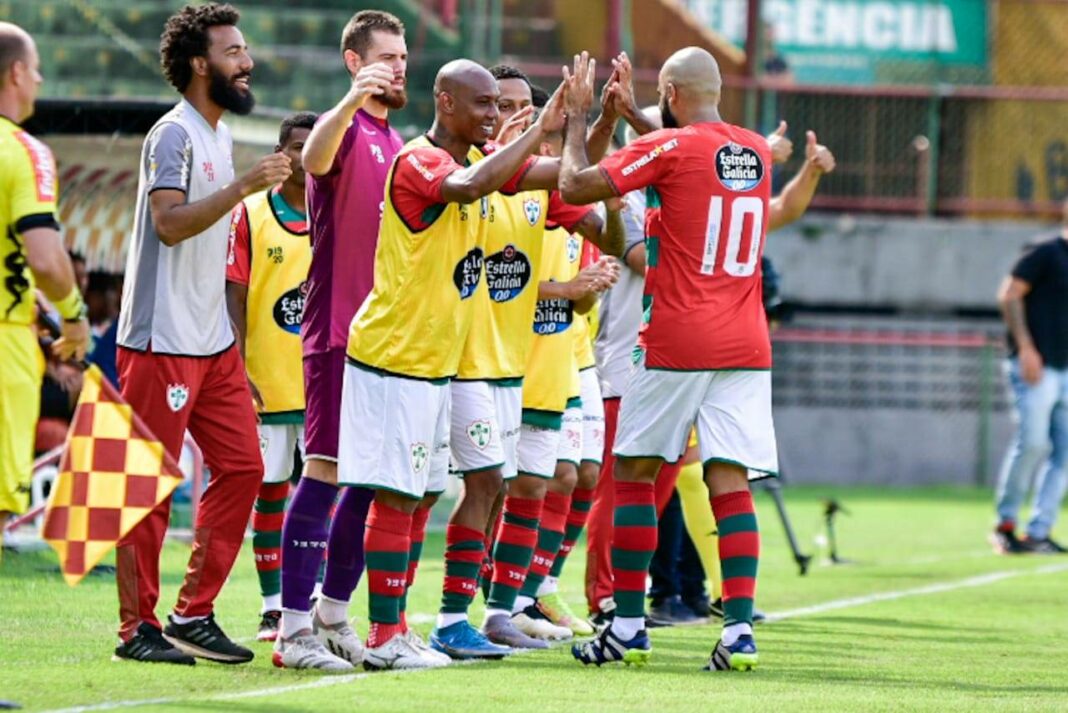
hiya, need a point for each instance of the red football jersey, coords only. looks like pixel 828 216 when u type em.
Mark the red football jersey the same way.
pixel 703 283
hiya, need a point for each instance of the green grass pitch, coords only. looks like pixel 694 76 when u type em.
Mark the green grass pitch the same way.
pixel 925 618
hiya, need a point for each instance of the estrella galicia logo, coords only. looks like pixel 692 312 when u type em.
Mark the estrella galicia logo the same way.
pixel 507 273
pixel 739 167
pixel 553 316
pixel 468 272
pixel 289 309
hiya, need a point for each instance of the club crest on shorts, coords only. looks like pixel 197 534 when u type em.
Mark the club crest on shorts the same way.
pixel 532 209
pixel 177 396
pixel 479 432
pixel 420 456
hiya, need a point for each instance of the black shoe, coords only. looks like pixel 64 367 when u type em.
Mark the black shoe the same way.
pixel 149 646
pixel 204 638
pixel 269 622
pixel 1045 546
pixel 715 609
pixel 759 616
pixel 1005 542
pixel 602 619
pixel 672 612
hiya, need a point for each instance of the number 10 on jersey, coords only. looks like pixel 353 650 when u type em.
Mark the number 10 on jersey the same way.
pixel 734 264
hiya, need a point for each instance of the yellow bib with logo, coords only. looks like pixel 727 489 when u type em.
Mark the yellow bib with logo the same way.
pixel 552 371
pixel 499 342
pixel 279 263
pixel 416 319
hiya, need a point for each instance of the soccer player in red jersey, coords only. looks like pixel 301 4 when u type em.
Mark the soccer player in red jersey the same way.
pixel 705 351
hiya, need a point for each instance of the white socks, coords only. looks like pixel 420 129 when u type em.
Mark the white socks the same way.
pixel 732 632
pixel 521 603
pixel 185 619
pixel 548 586
pixel 627 627
pixel 449 619
pixel 294 622
pixel 332 611
pixel 272 602
pixel 490 613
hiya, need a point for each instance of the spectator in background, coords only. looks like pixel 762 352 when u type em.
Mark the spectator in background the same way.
pixel 1032 300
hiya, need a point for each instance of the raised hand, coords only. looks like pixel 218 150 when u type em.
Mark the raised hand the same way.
pixel 781 147
pixel 516 125
pixel 552 117
pixel 268 171
pixel 372 80
pixel 623 92
pixel 579 81
pixel 818 155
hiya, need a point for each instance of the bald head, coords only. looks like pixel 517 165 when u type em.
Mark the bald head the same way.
pixel 463 74
pixel 15 46
pixel 693 72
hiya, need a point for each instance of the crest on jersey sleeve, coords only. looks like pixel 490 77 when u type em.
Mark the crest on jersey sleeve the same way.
pixel 532 210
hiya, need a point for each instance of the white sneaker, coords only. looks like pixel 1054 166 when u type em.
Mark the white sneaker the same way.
pixel 417 642
pixel 533 623
pixel 307 652
pixel 339 639
pixel 397 653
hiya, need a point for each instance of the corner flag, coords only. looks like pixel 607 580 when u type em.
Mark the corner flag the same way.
pixel 112 473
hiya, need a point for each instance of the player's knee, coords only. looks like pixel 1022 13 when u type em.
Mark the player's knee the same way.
pixel 322 470
pixel 396 501
pixel 565 478
pixel 587 474
pixel 527 486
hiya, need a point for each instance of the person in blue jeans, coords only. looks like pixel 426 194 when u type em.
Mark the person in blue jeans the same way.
pixel 1034 304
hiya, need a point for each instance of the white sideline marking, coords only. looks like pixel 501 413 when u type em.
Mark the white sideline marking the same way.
pixel 977 581
pixel 327 681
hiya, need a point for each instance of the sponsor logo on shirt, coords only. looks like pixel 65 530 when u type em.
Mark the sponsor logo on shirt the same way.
pixel 177 396
pixel 507 273
pixel 289 310
pixel 739 168
pixel 44 167
pixel 209 171
pixel 651 156
pixel 419 167
pixel 376 153
pixel 553 316
pixel 480 433
pixel 532 209
pixel 468 272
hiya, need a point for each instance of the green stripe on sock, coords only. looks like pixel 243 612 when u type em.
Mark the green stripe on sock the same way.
pixel 743 522
pixel 739 567
pixel 383 609
pixel 629 560
pixel 266 540
pixel 572 532
pixel 501 596
pixel 512 554
pixel 466 546
pixel 270 507
pixel 630 604
pixel 452 603
pixel 466 570
pixel 525 523
pixel 738 610
pixel 581 505
pixel 415 552
pixel 388 562
pixel 270 582
pixel 635 515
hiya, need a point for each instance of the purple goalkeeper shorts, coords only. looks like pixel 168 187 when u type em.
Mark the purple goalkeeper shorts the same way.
pixel 323 374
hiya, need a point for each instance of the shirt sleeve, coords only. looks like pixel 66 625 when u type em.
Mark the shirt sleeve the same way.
pixel 170 158
pixel 641 163
pixel 416 186
pixel 239 259
pixel 565 214
pixel 1031 267
pixel 34 186
pixel 511 187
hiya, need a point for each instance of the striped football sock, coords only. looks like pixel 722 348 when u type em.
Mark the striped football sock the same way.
pixel 633 544
pixel 415 551
pixel 267 518
pixel 550 537
pixel 739 552
pixel 387 542
pixel 513 551
pixel 581 501
pixel 464 550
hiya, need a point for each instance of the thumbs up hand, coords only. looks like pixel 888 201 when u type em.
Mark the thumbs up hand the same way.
pixel 817 155
pixel 781 147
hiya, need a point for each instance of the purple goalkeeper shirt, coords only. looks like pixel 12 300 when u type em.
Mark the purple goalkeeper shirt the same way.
pixel 344 211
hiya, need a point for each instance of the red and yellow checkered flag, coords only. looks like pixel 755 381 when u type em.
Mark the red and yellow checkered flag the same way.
pixel 112 473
